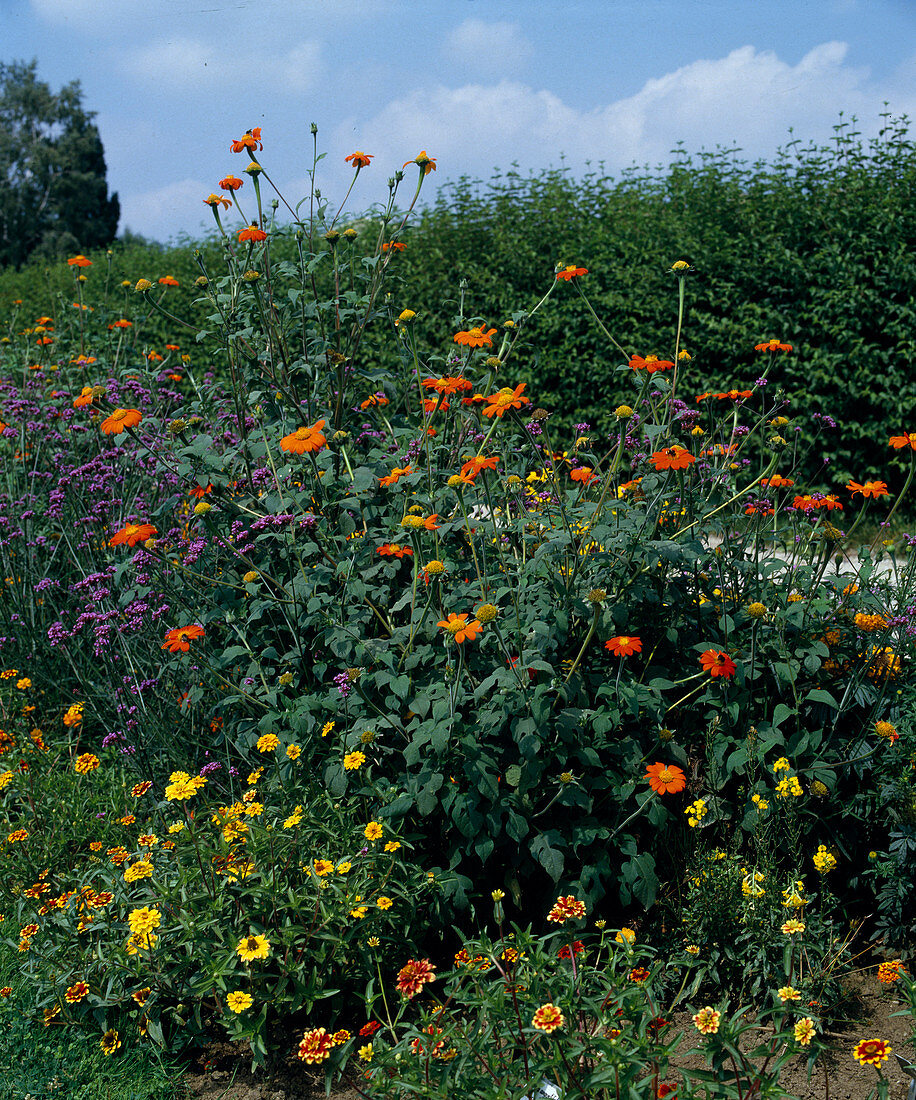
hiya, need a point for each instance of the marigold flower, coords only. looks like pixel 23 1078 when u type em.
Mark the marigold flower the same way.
pixel 413 976
pixel 119 420
pixel 625 936
pixel 305 440
pixel 571 272
pixel 718 664
pixel 639 974
pixel 804 1030
pixel 359 159
pixel 252 233
pixel 624 646
pixel 869 488
pixel 672 458
pixel 253 947
pixel 143 868
pixel 250 140
pixel 548 1018
pixel 86 762
pixel 772 345
pixel 179 638
pixel 476 337
pixel 76 992
pixel 132 534
pixel 872 1052
pixel 144 920
pixel 890 972
pixel 498 404
pixel 268 742
pixel 666 778
pixel 887 730
pixel 459 627
pixel 74 714
pixel 426 163
pixel 566 908
pixel 706 1021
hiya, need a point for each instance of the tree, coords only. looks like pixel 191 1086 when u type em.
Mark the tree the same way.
pixel 53 190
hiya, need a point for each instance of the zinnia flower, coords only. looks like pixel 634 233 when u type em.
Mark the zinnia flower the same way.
pixel 624 645
pixel 253 947
pixel 566 908
pixel 666 778
pixel 717 663
pixel 76 992
pixel 239 1001
pixel 305 440
pixel 86 762
pixel 179 638
pixel 132 534
pixel 110 1042
pixel 872 1052
pixel 119 420
pixel 706 1021
pixel 315 1047
pixel 476 337
pixel 359 159
pixel 571 272
pixel 413 976
pixel 672 458
pixel 804 1030
pixel 252 233
pixel 547 1018
pixel 459 627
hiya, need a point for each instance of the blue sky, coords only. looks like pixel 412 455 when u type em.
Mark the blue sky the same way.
pixel 480 84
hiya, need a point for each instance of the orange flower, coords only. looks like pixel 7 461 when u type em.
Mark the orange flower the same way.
pixel 907 440
pixel 359 159
pixel 624 645
pixel 459 627
pixel 426 163
pixel 651 363
pixel 665 778
pixel 447 385
pixel 571 272
pixel 430 405
pixel 869 489
pixel 79 261
pixel 872 1052
pixel 672 458
pixel 179 638
pixel 394 550
pixel 733 395
pixel 122 323
pixel 393 246
pixel 476 337
pixel 585 474
pixel 474 465
pixel 413 976
pixel 215 200
pixel 566 908
pixel 547 1018
pixel 772 345
pixel 777 481
pixel 132 534
pixel 231 183
pixel 305 440
pixel 252 233
pixel 395 475
pixel 251 140
pixel 315 1047
pixel 76 992
pixel 119 420
pixel 498 404
pixel 717 663
pixel 84 399
pixel 168 280
pixel 372 400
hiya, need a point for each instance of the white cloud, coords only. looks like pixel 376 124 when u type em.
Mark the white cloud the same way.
pixel 156 213
pixel 480 45
pixel 300 68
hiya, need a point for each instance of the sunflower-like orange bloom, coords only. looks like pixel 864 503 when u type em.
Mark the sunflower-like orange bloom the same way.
pixel 394 550
pixel 571 272
pixel 427 164
pixel 498 404
pixel 672 458
pixel 869 489
pixel 215 200
pixel 651 363
pixel 447 385
pixel 624 646
pixel 79 261
pixel 132 534
pixel 459 627
pixel 251 140
pixel 360 159
pixel 304 440
pixel 585 474
pixel 906 440
pixel 476 337
pixel 119 420
pixel 252 233
pixel 85 398
pixel 231 183
pixel 666 778
pixel 777 481
pixel 396 474
pixel 474 465
pixel 393 246
pixel 179 639
pixel 718 663
pixel 168 280
pixel 772 345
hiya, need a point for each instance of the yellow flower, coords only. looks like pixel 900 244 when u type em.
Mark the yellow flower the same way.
pixel 268 742
pixel 253 947
pixel 792 927
pixel 294 818
pixel 823 860
pixel 353 761
pixel 86 762
pixel 804 1030
pixel 365 1053
pixel 141 941
pixel 625 935
pixel 343 868
pixel 144 920
pixel 293 752
pixel 238 1001
pixel 322 867
pixel 384 903
pixel 372 831
pixel 176 826
pixel 143 868
pixel 788 993
pixel 24 683
pixel 392 845
pixel 782 764
pixel 359 912
pixel 326 728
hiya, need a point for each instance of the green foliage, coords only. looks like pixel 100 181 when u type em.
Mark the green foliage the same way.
pixel 55 196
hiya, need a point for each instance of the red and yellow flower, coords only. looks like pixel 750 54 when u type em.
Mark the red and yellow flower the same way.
pixel 666 778
pixel 305 440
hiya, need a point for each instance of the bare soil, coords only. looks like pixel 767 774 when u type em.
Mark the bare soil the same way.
pixel 222 1074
